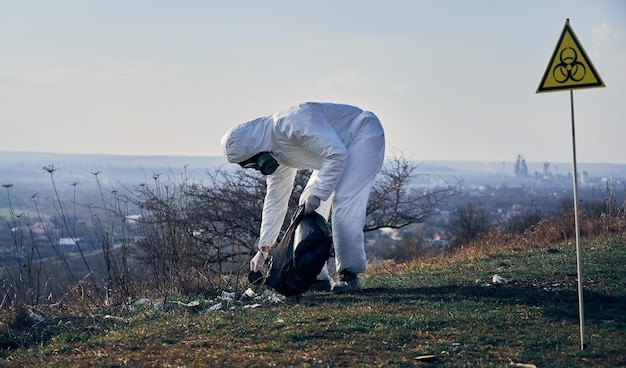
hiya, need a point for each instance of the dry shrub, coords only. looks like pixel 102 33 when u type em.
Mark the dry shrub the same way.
pixel 552 230
pixel 546 233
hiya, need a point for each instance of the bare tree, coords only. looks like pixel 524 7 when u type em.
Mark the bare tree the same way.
pixel 393 203
pixel 203 229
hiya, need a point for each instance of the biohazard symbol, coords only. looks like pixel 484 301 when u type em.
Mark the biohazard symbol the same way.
pixel 569 67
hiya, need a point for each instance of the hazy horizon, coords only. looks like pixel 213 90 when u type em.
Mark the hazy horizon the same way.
pixel 44 157
pixel 221 157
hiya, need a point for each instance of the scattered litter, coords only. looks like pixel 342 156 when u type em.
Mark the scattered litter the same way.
pixel 225 300
pixel 498 280
pixel 215 307
pixel 142 301
pixel 426 358
pixel 195 303
pixel 523 365
pixel 108 316
pixel 275 298
pixel 228 296
pixel 249 293
pixel 280 320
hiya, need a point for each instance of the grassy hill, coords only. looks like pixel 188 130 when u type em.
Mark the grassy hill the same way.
pixel 443 311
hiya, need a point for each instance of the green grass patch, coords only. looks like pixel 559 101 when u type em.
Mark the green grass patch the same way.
pixel 446 307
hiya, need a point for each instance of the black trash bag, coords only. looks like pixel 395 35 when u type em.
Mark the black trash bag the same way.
pixel 295 262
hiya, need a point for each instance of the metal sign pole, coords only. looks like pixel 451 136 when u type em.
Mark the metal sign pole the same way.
pixel 581 311
pixel 569 68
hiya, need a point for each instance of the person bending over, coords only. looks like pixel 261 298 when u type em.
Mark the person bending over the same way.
pixel 345 148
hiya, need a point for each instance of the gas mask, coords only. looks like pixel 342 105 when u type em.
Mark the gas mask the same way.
pixel 263 162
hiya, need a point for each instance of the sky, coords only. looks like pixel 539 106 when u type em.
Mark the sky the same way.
pixel 449 80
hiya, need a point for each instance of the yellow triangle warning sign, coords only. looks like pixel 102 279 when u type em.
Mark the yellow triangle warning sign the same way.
pixel 569 67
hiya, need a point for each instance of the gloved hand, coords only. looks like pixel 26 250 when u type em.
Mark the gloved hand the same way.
pixel 257 263
pixel 310 202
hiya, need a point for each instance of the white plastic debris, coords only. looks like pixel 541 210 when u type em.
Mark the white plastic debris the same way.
pixel 499 280
pixel 228 296
pixel 215 307
pixel 194 303
pixel 251 306
pixel 108 316
pixel 275 298
pixel 426 358
pixel 142 301
pixel 523 365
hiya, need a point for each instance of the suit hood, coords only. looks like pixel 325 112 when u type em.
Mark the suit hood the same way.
pixel 247 139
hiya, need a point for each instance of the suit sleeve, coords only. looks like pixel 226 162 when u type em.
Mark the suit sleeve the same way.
pixel 279 187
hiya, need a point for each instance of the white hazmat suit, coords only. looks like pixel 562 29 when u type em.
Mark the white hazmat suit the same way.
pixel 342 144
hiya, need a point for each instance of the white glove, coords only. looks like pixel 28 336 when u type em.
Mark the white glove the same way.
pixel 257 263
pixel 310 202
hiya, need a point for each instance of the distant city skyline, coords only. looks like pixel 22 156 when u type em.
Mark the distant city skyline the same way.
pixel 450 80
pixel 27 166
